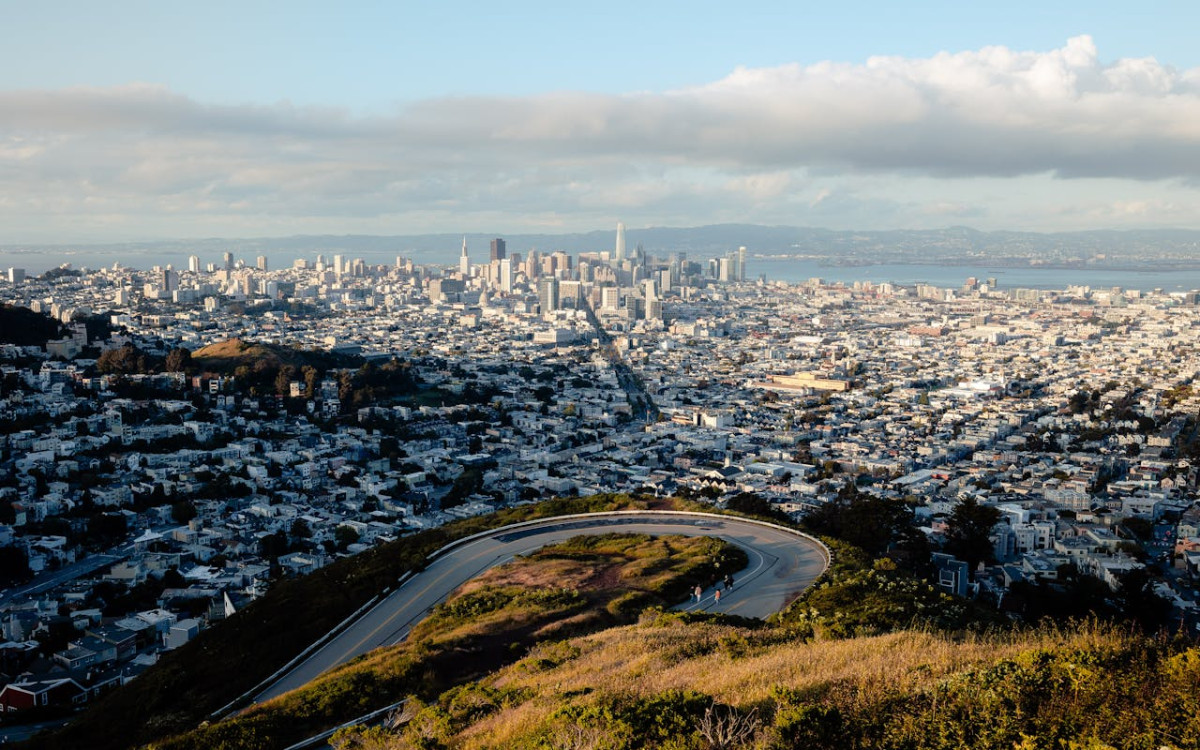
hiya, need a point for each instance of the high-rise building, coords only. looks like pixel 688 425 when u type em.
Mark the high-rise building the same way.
pixel 562 263
pixel 726 269
pixel 619 251
pixel 464 260
pixel 570 294
pixel 506 275
pixel 228 257
pixel 548 294
pixel 16 275
pixel 338 267
pixel 261 262
pixel 194 263
pixel 741 263
pixel 498 250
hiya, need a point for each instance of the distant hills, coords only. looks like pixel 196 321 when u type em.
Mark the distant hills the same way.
pixel 948 245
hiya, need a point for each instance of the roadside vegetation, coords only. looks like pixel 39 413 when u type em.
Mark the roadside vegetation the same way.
pixel 572 648
pixel 226 661
pixel 583 585
pixel 668 682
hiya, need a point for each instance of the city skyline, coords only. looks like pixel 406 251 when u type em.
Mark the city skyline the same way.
pixel 392 120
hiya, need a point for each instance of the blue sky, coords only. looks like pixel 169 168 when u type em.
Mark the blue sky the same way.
pixel 370 56
pixel 145 120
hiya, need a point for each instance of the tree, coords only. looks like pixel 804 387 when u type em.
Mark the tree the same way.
pixel 173 579
pixel 300 529
pixel 465 484
pixel 183 511
pixel 283 380
pixel 344 536
pixel 107 528
pixel 179 359
pixel 1078 401
pixel 272 546
pixel 14 566
pixel 1140 603
pixel 754 505
pixel 868 522
pixel 126 360
pixel 969 528
pixel 311 380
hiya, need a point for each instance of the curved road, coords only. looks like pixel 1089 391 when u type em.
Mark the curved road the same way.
pixel 782 563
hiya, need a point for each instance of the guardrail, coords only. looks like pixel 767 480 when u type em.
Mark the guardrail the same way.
pixel 825 551
pixel 359 720
pixel 314 646
pixel 549 521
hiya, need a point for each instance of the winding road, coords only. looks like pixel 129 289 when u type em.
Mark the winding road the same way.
pixel 782 563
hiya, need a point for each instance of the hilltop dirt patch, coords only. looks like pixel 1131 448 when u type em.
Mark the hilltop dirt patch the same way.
pixel 546 574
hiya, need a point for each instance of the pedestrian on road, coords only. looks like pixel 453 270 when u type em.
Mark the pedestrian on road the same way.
pixel 699 592
pixel 728 582
pixel 717 596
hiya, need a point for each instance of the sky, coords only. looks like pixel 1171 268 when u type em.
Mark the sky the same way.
pixel 137 121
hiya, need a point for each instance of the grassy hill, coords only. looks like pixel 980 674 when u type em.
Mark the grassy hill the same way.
pixel 226 356
pixel 223 662
pixel 670 683
pixel 567 649
pixel 579 586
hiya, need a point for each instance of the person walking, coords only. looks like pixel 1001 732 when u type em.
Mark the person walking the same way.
pixel 699 592
pixel 717 596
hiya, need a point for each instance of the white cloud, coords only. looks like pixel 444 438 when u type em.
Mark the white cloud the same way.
pixel 745 147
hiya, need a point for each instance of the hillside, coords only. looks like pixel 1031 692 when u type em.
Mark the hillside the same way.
pixel 225 357
pixel 192 682
pixel 571 647
pixel 668 683
pixel 24 327
pixel 579 586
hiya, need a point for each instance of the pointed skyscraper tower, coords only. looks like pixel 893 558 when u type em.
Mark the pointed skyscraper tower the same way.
pixel 464 262
pixel 620 249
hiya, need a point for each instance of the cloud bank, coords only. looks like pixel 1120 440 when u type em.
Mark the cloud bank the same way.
pixel 891 142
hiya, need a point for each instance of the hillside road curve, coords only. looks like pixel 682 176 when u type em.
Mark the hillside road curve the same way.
pixel 782 563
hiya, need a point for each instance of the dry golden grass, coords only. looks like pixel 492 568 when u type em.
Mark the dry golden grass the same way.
pixel 558 574
pixel 649 659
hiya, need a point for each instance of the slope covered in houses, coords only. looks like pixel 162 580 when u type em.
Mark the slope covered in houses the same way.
pixel 192 436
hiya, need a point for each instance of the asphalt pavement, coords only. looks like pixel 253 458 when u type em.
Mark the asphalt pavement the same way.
pixel 781 565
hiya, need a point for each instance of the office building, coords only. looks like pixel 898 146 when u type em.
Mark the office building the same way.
pixel 506 276
pixel 498 250
pixel 548 294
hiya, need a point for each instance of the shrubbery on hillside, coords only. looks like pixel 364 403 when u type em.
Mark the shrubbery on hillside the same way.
pixel 225 661
pixel 647 686
pixel 557 592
